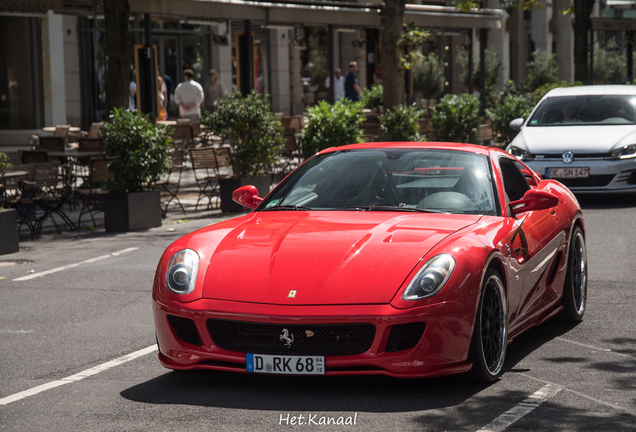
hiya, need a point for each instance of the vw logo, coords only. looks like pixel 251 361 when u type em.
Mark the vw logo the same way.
pixel 567 157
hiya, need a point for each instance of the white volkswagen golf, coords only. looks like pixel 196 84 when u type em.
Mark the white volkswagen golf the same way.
pixel 584 137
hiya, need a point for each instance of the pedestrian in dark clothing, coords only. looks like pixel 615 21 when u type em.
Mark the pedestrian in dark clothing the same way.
pixel 352 89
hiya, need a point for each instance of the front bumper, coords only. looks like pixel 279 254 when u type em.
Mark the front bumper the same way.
pixel 605 175
pixel 442 349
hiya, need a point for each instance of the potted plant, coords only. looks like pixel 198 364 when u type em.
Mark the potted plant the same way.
pixel 400 124
pixel 332 125
pixel 255 136
pixel 139 152
pixel 456 119
pixel 8 217
pixel 429 77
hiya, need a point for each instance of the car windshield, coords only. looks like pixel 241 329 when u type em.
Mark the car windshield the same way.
pixel 585 110
pixel 425 180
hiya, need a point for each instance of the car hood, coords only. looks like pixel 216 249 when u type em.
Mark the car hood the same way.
pixel 327 257
pixel 578 139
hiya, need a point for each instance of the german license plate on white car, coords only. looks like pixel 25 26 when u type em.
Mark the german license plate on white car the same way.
pixel 281 364
pixel 557 173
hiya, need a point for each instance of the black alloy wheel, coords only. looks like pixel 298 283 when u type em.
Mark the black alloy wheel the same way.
pixel 575 286
pixel 490 335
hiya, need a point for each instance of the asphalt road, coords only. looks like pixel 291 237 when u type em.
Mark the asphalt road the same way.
pixel 63 330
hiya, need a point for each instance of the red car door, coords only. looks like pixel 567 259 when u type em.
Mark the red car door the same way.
pixel 534 246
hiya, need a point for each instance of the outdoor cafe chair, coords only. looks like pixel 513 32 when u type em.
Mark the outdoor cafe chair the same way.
pixel 93 188
pixel 34 156
pixel 177 159
pixel 21 199
pixel 50 194
pixel 52 143
pixel 206 165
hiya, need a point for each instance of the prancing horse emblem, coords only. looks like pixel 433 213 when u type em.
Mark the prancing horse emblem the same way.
pixel 285 338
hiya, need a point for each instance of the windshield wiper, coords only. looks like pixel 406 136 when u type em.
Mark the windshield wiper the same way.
pixel 286 207
pixel 389 208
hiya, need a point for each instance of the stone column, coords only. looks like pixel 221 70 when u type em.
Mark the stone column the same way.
pixel 53 74
pixel 72 71
pixel 564 42
pixel 279 54
pixel 222 57
pixel 541 34
pixel 499 40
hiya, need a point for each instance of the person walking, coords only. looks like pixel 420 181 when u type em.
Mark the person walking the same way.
pixel 351 88
pixel 338 90
pixel 213 91
pixel 189 95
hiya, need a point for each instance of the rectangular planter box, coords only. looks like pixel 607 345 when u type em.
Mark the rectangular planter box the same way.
pixel 8 231
pixel 228 186
pixel 132 212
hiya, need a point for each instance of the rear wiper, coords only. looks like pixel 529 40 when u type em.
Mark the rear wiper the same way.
pixel 286 207
pixel 389 208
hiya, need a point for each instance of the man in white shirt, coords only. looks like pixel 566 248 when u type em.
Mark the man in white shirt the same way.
pixel 338 90
pixel 189 95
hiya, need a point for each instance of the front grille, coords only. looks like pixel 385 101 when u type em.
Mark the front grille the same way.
pixel 577 156
pixel 404 336
pixel 185 329
pixel 591 181
pixel 310 339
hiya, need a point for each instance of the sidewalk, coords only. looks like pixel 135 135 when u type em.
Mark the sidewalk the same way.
pixel 188 195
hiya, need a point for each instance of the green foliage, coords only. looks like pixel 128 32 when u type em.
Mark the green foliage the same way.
pixel 317 68
pixel 400 124
pixel 610 67
pixel 373 97
pixel 492 69
pixel 456 118
pixel 545 88
pixel 139 149
pixel 333 125
pixel 509 108
pixel 411 39
pixel 429 76
pixel 542 70
pixel 5 163
pixel 254 134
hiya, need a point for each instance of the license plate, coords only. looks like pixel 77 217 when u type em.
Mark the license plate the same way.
pixel 289 365
pixel 567 173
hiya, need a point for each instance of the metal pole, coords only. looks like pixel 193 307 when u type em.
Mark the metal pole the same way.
pixel 591 79
pixel 470 61
pixel 630 56
pixel 331 95
pixel 483 34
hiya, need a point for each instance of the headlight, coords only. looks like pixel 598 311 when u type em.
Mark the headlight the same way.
pixel 625 152
pixel 182 271
pixel 520 153
pixel 430 279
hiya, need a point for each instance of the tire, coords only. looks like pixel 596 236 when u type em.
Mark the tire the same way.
pixel 490 335
pixel 575 287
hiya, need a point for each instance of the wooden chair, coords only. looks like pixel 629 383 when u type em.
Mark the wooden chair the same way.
pixel 20 199
pixel 182 134
pixel 94 130
pixel 94 187
pixel 177 159
pixel 206 164
pixel 52 143
pixel 51 193
pixel 34 156
pixel 61 131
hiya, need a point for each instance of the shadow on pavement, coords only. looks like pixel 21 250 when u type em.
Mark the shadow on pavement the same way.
pixel 316 394
pixel 606 201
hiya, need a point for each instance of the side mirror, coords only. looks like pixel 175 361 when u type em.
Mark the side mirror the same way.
pixel 247 196
pixel 534 200
pixel 516 124
pixel 530 178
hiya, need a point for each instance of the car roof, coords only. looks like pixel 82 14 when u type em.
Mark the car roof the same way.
pixel 593 90
pixel 472 148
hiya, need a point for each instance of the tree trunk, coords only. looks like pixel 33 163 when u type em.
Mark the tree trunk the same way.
pixel 582 12
pixel 118 48
pixel 392 73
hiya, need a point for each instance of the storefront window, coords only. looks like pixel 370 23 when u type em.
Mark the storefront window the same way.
pixel 20 74
pixel 315 69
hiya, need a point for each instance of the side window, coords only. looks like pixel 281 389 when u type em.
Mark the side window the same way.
pixel 515 184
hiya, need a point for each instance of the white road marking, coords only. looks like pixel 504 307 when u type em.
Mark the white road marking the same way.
pixel 524 407
pixel 59 269
pixel 16 331
pixel 78 376
pixel 583 395
pixel 596 348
